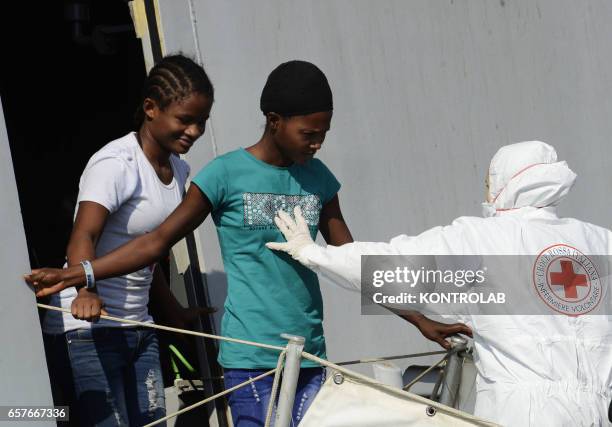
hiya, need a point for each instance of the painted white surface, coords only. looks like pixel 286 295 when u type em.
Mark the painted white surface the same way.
pixel 425 91
pixel 24 380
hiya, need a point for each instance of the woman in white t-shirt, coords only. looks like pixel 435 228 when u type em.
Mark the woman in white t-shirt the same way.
pixel 127 189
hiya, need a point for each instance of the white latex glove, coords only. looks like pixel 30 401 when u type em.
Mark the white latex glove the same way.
pixel 296 233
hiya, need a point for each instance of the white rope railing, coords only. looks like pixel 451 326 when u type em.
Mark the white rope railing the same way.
pixel 168 328
pixel 208 399
pixel 425 372
pixel 382 359
pixel 276 371
pixel 199 334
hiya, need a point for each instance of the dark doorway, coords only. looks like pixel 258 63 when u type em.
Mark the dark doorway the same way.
pixel 71 79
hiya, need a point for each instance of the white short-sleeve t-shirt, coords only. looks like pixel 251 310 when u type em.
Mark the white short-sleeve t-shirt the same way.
pixel 121 178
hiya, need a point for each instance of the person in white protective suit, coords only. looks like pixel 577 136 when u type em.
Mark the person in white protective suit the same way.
pixel 532 370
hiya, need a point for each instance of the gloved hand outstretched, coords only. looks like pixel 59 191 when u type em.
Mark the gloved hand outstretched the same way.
pixel 296 233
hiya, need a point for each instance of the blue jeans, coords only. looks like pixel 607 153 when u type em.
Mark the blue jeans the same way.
pixel 249 404
pixel 117 375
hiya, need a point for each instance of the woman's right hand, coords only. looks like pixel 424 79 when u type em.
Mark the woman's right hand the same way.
pixel 46 281
pixel 87 306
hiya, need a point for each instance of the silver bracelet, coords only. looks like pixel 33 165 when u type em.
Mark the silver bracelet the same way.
pixel 90 280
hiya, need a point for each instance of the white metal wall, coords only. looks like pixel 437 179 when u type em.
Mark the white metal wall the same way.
pixel 24 380
pixel 425 91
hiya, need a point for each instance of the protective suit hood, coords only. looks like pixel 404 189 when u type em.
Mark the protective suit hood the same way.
pixel 527 174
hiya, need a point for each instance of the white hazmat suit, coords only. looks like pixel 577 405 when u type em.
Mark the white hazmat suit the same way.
pixel 546 370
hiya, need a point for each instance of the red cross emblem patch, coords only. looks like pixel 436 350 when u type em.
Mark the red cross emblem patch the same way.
pixel 567 280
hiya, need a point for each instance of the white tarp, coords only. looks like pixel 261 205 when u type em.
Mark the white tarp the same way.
pixel 358 403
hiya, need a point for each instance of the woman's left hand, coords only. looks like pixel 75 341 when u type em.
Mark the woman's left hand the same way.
pixel 87 306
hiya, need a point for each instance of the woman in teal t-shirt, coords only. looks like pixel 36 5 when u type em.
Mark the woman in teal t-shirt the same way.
pixel 268 293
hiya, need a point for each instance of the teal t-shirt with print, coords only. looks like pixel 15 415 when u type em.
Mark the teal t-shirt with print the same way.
pixel 269 293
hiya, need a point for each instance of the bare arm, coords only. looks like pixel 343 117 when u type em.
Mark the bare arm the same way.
pixel 88 225
pixel 332 224
pixel 336 233
pixel 134 255
pixel 431 329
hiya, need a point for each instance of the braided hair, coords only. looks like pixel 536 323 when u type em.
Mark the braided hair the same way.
pixel 172 79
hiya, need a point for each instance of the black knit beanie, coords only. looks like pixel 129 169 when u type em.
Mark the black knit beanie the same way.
pixel 296 88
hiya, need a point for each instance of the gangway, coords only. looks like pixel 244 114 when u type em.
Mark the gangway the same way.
pixel 347 398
